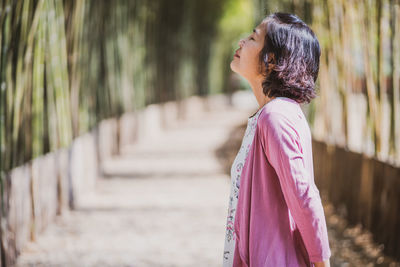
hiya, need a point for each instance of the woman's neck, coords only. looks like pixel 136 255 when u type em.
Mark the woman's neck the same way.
pixel 256 86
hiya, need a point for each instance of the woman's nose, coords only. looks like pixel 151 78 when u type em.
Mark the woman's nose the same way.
pixel 241 42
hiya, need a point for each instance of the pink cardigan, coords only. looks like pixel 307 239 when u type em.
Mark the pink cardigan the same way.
pixel 279 219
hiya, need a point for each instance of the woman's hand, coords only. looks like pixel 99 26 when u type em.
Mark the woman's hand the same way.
pixel 322 264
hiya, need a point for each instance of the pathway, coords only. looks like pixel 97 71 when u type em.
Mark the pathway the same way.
pixel 163 203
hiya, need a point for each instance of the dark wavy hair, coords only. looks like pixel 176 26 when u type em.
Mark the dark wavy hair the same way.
pixel 295 58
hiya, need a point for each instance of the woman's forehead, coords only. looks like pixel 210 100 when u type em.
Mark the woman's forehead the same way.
pixel 259 30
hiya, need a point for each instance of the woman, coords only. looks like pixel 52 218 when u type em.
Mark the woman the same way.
pixel 275 215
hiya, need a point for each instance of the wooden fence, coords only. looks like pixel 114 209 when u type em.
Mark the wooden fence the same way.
pixel 364 188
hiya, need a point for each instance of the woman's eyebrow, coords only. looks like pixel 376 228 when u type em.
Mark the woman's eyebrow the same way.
pixel 255 31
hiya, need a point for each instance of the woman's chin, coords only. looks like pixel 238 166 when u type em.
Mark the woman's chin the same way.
pixel 233 66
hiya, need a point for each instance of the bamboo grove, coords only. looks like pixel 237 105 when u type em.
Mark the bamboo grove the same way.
pixel 360 42
pixel 362 56
pixel 65 65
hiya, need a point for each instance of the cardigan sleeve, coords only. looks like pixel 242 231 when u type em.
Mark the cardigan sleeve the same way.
pixel 284 152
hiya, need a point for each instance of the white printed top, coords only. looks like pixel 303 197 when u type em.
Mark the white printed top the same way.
pixel 236 170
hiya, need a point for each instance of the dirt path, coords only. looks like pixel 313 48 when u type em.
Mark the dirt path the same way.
pixel 164 203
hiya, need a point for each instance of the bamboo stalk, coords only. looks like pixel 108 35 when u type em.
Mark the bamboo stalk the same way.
pixel 396 82
pixel 381 83
pixel 368 55
pixel 38 87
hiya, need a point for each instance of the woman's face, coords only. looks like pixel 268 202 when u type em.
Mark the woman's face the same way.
pixel 246 59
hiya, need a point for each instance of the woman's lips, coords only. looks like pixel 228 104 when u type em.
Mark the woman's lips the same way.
pixel 236 55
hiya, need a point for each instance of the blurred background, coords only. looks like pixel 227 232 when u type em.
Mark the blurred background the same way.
pixel 119 122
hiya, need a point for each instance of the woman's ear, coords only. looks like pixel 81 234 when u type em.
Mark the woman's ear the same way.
pixel 269 59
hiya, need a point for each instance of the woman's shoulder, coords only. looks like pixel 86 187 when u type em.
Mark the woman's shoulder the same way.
pixel 283 120
pixel 279 114
pixel 280 108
